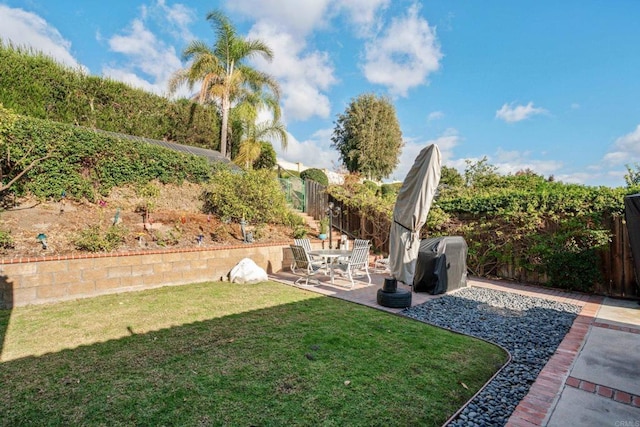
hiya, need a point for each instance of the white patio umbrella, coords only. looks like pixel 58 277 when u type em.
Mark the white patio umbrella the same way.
pixel 410 213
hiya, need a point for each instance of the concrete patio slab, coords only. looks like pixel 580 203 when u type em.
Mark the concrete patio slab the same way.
pixel 610 358
pixel 619 312
pixel 581 408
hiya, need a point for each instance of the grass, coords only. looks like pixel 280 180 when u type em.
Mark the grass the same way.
pixel 228 354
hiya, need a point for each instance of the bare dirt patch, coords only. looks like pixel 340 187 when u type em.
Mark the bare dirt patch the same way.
pixel 176 221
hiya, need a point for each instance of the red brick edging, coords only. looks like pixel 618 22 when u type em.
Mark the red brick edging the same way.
pixel 616 327
pixel 604 391
pixel 534 408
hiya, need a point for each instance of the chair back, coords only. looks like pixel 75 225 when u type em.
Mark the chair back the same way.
pixel 359 257
pixel 300 256
pixel 305 243
pixel 361 242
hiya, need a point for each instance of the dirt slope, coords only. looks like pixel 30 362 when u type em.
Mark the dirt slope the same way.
pixel 176 221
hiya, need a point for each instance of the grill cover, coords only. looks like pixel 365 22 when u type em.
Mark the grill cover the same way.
pixel 441 266
pixel 632 216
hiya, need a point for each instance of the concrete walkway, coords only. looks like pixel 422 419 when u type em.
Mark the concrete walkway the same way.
pixel 593 379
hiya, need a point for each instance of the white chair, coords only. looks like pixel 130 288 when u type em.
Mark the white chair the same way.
pixel 381 265
pixel 357 243
pixel 361 242
pixel 357 264
pixel 302 261
pixel 306 244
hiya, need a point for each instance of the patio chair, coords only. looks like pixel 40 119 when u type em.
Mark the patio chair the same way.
pixel 357 265
pixel 381 265
pixel 303 262
pixel 361 242
pixel 357 243
pixel 306 244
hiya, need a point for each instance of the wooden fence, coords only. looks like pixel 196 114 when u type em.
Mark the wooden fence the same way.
pixel 616 261
pixel 617 264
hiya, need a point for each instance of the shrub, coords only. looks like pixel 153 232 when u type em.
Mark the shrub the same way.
pixel 255 196
pixel 267 159
pixel 299 232
pixel 371 186
pixel 390 190
pixel 37 86
pixel 83 162
pixel 6 239
pixel 315 175
pixel 94 239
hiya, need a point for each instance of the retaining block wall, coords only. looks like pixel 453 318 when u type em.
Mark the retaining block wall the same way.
pixel 48 279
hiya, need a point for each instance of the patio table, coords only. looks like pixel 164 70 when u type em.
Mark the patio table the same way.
pixel 330 256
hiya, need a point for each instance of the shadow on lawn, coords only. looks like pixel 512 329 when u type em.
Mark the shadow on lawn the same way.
pixel 6 304
pixel 267 366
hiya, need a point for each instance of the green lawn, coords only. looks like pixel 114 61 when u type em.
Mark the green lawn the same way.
pixel 228 354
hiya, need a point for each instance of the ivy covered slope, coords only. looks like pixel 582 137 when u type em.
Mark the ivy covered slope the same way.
pixel 35 85
pixel 57 158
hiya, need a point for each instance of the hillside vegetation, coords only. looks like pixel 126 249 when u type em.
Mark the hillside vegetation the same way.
pixel 35 85
pixel 519 226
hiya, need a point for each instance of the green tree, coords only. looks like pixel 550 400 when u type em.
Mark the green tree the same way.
pixel 632 177
pixel 368 137
pixel 481 174
pixel 451 177
pixel 222 72
pixel 267 158
pixel 254 135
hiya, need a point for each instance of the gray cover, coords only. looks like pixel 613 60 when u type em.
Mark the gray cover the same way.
pixel 441 266
pixel 632 217
pixel 410 213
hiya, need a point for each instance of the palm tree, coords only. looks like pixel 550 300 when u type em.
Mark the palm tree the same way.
pixel 222 72
pixel 254 134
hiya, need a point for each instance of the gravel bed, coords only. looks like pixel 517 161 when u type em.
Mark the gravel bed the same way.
pixel 529 328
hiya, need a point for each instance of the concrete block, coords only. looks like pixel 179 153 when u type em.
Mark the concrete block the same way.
pixel 51 266
pixel 52 292
pixel 65 277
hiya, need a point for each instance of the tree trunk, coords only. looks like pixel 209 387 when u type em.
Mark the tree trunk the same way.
pixel 224 126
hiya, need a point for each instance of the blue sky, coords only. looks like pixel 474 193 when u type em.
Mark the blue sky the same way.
pixel 553 86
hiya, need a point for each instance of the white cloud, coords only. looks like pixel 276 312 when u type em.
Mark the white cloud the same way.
pixel 404 56
pixel 510 162
pixel 412 147
pixel 626 149
pixel 26 29
pixel 510 113
pixel 364 14
pixel 303 75
pixel 314 152
pixel 179 17
pixel 145 53
pixel 290 16
pixel 435 115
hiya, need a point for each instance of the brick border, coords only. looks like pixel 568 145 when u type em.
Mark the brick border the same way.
pixel 604 391
pixel 534 408
pixel 84 255
pixel 633 330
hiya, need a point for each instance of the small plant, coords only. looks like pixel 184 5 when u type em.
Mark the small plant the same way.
pixel 324 225
pixel 6 239
pixel 149 192
pixel 94 239
pixel 299 232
